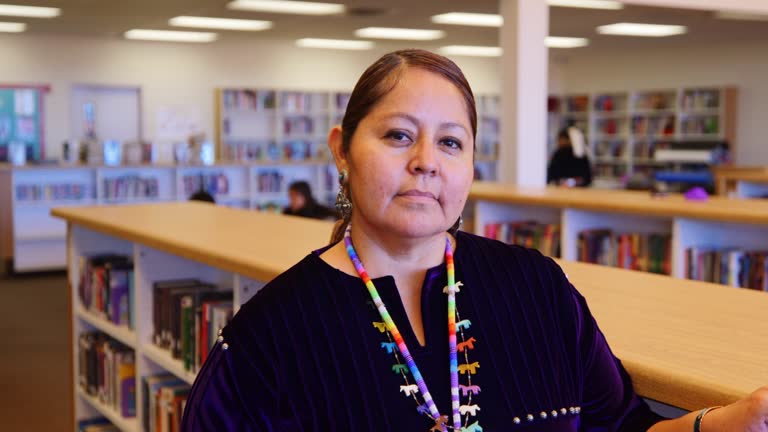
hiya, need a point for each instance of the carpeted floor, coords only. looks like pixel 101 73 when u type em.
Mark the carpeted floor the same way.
pixel 35 364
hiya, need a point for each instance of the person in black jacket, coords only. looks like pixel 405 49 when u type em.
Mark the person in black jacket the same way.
pixel 302 203
pixel 570 165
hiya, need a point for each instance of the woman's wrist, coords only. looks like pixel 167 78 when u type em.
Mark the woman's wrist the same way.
pixel 699 421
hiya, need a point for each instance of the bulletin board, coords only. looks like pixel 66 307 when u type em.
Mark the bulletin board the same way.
pixel 21 119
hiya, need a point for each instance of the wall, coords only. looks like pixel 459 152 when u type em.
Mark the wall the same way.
pixel 184 75
pixel 668 66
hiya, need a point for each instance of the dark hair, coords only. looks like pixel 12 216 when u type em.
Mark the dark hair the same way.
pixel 302 188
pixel 381 78
pixel 203 196
pixel 563 134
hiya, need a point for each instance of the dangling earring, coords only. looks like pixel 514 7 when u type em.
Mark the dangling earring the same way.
pixel 343 204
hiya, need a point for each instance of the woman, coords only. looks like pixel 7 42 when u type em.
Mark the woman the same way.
pixel 302 203
pixel 570 164
pixel 319 349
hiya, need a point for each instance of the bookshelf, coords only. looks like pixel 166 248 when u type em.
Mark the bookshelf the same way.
pixel 36 241
pixel 720 223
pixel 683 318
pixel 625 129
pixel 488 136
pixel 286 130
pixel 174 240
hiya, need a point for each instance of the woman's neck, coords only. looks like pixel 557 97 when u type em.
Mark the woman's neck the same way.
pixel 385 254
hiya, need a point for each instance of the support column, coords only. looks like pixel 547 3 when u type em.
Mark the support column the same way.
pixel 524 80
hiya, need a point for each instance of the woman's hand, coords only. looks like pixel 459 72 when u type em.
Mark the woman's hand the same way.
pixel 747 415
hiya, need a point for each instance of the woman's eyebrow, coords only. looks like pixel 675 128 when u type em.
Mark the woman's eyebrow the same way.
pixel 416 122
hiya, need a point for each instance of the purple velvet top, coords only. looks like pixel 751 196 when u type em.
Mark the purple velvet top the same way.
pixel 303 355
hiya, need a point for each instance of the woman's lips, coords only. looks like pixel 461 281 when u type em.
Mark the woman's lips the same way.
pixel 415 193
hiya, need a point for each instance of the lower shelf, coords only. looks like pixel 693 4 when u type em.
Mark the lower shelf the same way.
pixel 125 424
pixel 166 361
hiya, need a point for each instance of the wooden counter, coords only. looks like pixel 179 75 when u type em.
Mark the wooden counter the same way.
pixel 716 208
pixel 257 245
pixel 687 344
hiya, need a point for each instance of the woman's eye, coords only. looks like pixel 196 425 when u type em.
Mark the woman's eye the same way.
pixel 398 136
pixel 452 143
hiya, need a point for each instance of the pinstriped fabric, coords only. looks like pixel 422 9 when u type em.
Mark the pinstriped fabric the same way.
pixel 303 356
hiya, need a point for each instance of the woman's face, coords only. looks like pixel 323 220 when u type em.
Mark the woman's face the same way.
pixel 296 201
pixel 410 161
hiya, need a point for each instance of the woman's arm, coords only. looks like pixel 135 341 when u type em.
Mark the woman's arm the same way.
pixel 747 415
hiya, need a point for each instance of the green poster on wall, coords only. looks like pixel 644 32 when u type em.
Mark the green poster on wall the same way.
pixel 20 115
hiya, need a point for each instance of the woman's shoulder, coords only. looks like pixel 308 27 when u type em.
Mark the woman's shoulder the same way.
pixel 476 244
pixel 505 263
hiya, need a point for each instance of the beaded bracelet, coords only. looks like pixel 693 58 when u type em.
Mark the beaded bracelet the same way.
pixel 700 417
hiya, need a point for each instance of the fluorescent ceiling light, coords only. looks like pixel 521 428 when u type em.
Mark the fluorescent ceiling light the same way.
pixel 344 44
pixel 288 7
pixel 170 36
pixel 12 27
pixel 647 30
pixel 587 4
pixel 469 19
pixel 399 33
pixel 29 11
pixel 566 42
pixel 741 16
pixel 471 50
pixel 220 23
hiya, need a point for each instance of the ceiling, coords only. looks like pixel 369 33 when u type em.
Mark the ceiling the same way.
pixel 109 19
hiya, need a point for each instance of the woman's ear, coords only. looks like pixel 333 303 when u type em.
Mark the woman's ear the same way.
pixel 335 143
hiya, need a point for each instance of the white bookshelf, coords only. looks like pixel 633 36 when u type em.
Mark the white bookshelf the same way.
pixel 102 409
pixel 625 128
pixel 286 130
pixel 39 239
pixel 719 223
pixel 158 263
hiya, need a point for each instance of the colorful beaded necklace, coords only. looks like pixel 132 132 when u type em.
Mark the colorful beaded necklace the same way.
pixel 410 390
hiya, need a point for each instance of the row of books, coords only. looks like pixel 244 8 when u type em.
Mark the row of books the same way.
pixel 656 126
pixel 97 424
pixel 53 191
pixel 106 287
pixel 531 234
pixel 634 251
pixel 654 101
pixel 700 99
pixel 247 99
pixel 187 317
pixel 700 125
pixel 164 398
pixel 303 102
pixel 299 125
pixel 243 151
pixel 610 103
pixel 728 266
pixel 604 149
pixel 270 181
pixel 107 370
pixel 131 186
pixel 214 183
pixel 608 126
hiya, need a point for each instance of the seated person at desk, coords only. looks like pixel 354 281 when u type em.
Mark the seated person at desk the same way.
pixel 353 337
pixel 302 203
pixel 570 164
